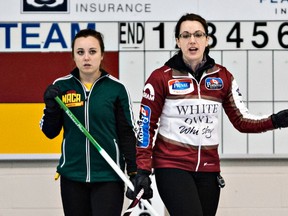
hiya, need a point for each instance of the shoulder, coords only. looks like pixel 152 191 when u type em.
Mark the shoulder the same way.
pixel 112 83
pixel 164 69
pixel 63 79
pixel 221 70
pixel 161 72
pixel 111 80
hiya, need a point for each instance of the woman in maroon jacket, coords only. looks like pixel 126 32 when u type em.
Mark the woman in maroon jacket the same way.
pixel 185 96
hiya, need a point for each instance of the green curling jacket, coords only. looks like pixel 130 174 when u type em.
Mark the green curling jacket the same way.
pixel 106 112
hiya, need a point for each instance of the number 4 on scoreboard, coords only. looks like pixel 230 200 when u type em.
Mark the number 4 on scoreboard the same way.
pixel 237 39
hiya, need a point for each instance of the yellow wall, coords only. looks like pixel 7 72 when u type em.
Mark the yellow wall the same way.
pixel 20 131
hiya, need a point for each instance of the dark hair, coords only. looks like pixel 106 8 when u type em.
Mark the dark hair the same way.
pixel 86 33
pixel 192 17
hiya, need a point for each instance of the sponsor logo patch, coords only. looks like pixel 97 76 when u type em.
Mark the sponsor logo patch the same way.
pixel 143 136
pixel 149 92
pixel 214 83
pixel 180 86
pixel 72 99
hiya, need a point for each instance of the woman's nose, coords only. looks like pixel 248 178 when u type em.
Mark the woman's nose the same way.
pixel 86 56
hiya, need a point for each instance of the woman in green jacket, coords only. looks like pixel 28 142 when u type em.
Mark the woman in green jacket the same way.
pixel 89 186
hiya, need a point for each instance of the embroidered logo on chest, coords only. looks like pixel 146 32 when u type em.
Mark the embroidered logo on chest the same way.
pixel 214 83
pixel 180 86
pixel 72 99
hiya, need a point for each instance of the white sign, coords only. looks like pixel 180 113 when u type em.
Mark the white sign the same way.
pixel 146 10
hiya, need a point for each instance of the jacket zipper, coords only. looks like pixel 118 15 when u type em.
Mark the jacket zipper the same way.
pixel 86 113
pixel 199 97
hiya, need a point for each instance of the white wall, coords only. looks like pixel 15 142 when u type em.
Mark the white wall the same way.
pixel 253 187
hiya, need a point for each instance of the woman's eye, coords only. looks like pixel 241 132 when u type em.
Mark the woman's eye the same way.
pixel 80 52
pixel 198 34
pixel 92 52
pixel 186 36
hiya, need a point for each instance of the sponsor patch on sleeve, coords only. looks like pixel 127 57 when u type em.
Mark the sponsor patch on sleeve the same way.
pixel 149 92
pixel 143 136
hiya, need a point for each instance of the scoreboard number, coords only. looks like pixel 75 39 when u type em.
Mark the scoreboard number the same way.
pixel 248 35
pixel 160 28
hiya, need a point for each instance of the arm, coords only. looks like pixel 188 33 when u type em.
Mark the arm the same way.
pixel 246 122
pixel 150 111
pixel 152 102
pixel 126 130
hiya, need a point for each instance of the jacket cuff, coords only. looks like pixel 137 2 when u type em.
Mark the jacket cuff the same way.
pixel 143 172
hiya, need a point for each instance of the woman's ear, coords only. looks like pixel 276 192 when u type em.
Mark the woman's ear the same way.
pixel 207 41
pixel 177 43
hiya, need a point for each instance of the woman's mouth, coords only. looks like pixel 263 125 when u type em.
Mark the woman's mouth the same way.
pixel 193 49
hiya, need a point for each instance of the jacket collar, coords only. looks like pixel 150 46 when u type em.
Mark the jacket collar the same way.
pixel 177 63
pixel 75 72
